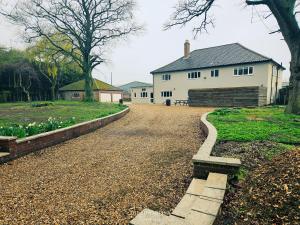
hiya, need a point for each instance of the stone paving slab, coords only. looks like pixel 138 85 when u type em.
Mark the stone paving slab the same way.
pixel 213 193
pixel 185 206
pixel 216 180
pixel 199 158
pixel 206 206
pixel 196 187
pixel 199 218
pixel 150 217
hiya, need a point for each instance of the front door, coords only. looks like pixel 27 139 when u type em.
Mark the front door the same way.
pixel 151 97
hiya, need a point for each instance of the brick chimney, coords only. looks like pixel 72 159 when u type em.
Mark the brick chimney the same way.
pixel 187 49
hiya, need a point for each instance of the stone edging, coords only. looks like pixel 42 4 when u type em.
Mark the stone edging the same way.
pixel 16 148
pixel 204 162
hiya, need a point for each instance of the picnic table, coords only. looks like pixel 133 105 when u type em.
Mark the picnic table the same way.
pixel 181 102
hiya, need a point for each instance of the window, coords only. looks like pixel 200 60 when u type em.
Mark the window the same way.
pixel 214 73
pixel 166 94
pixel 76 95
pixel 144 94
pixel 240 71
pixel 166 77
pixel 235 71
pixel 135 95
pixel 143 89
pixel 247 70
pixel 251 70
pixel 194 75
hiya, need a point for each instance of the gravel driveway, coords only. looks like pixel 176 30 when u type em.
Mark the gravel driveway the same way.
pixel 108 176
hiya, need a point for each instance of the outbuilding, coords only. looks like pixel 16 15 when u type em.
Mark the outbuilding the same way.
pixel 103 92
pixel 142 94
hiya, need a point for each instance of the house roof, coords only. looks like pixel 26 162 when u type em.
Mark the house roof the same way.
pixel 98 85
pixel 134 84
pixel 224 55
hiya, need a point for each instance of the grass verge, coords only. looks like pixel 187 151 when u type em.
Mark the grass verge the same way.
pixel 258 124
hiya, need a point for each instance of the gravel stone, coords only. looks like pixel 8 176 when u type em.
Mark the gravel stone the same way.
pixel 106 177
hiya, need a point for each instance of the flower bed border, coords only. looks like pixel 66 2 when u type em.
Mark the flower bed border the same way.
pixel 20 147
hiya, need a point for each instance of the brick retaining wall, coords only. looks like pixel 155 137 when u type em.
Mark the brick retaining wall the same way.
pixel 20 147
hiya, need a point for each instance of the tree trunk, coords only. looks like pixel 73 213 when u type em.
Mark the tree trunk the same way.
pixel 27 94
pixel 53 92
pixel 294 89
pixel 88 87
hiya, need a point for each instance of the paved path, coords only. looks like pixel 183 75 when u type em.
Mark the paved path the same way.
pixel 105 177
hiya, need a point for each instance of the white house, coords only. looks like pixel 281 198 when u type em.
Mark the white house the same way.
pixel 134 84
pixel 226 66
pixel 142 94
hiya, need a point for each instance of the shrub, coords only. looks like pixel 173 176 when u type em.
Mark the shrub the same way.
pixel 225 111
pixel 44 104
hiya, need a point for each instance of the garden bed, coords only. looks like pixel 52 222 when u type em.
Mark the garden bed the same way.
pixel 26 119
pixel 269 195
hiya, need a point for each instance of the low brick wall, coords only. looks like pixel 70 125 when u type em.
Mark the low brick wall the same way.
pixel 228 97
pixel 20 147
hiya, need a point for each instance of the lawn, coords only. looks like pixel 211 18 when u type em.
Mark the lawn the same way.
pixel 23 119
pixel 257 124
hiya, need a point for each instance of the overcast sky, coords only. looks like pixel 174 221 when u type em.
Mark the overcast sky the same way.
pixel 134 59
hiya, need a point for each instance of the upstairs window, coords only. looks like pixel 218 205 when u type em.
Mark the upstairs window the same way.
pixel 247 70
pixel 166 94
pixel 194 75
pixel 135 95
pixel 143 89
pixel 166 77
pixel 214 73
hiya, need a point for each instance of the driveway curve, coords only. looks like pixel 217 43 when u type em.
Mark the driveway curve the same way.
pixel 108 176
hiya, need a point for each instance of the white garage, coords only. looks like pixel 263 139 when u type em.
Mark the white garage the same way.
pixel 103 92
pixel 105 97
pixel 117 97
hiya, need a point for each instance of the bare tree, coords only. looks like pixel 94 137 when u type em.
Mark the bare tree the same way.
pixel 89 25
pixel 285 13
pixel 23 77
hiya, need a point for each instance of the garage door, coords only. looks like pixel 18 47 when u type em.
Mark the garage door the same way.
pixel 105 97
pixel 117 97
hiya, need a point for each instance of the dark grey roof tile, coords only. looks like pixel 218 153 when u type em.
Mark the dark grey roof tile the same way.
pixel 224 55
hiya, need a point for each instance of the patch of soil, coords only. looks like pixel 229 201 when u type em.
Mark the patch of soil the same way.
pixel 252 154
pixel 269 195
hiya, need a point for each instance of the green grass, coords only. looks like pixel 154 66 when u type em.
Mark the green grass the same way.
pixel 257 124
pixel 63 112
